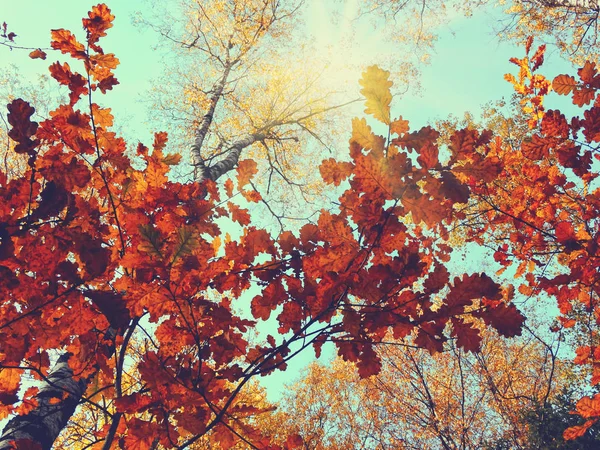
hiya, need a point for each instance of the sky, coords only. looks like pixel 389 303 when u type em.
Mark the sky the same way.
pixel 465 71
pixel 466 67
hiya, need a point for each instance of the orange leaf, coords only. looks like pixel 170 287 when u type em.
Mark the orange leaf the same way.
pixel 246 169
pixel 100 20
pixel 252 196
pixel 583 96
pixel 160 140
pixel 37 53
pixel 589 406
pixel 10 379
pixel 399 126
pixel 238 214
pixel 229 187
pixel 577 431
pixel 335 172
pixel 66 42
pixel 587 72
pixel 102 116
pixel 563 84
pixel 428 156
pixel 565 232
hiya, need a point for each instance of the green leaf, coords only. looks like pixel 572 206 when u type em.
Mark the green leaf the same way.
pixel 187 241
pixel 151 242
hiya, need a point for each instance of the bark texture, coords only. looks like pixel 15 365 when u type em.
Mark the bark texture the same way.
pixel 201 171
pixel 575 4
pixel 43 424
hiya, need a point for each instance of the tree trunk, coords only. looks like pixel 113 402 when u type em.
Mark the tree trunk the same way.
pixel 200 168
pixel 576 4
pixel 43 424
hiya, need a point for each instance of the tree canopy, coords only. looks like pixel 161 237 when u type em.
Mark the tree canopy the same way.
pixel 131 317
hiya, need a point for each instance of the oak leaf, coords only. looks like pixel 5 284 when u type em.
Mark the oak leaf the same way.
pixel 399 126
pixel 38 54
pixel 186 242
pixel 564 84
pixel 23 129
pixel 335 172
pixel 376 89
pixel 99 20
pixel 66 42
pixel 577 431
pixel 246 170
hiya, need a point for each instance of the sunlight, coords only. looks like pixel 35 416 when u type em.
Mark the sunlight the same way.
pixel 339 44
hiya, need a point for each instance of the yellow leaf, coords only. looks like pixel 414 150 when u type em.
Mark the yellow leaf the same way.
pixel 376 89
pixel 510 78
pixel 362 135
pixel 216 244
pixel 102 116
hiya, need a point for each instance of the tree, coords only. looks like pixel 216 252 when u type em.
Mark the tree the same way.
pixel 571 25
pixel 124 254
pixel 242 87
pixel 453 399
pixel 541 214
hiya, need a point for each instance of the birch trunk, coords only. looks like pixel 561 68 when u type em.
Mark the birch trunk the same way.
pixel 43 424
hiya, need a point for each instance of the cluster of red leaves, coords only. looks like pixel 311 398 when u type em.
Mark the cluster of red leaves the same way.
pixel 116 244
pixel 545 211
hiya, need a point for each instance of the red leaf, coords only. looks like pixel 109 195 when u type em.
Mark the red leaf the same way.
pixel 416 140
pixel 273 295
pixel 538 58
pixel 437 280
pixel 160 140
pixel 565 233
pixel 76 83
pixel 294 441
pixel 369 363
pixel 100 20
pixel 507 319
pixel 19 115
pixel 453 189
pixel 587 72
pixel 112 305
pixel 428 156
pixel 536 148
pixel 467 336
pixel 471 287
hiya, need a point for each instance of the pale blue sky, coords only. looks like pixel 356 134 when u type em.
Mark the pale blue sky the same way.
pixel 466 68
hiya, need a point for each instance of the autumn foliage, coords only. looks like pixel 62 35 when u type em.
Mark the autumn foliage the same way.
pixel 100 247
